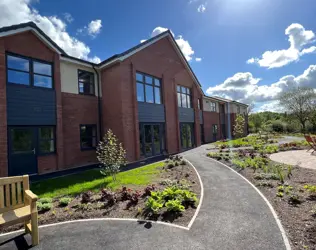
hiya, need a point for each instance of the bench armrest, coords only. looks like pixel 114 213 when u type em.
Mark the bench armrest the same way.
pixel 30 195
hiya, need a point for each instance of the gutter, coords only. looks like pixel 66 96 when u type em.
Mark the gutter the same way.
pixel 99 103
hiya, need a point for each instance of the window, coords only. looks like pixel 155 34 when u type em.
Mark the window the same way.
pixel 86 82
pixel 199 104
pixel 27 71
pixel 46 140
pixel 148 88
pixel 184 97
pixel 88 136
pixel 212 106
pixel 215 128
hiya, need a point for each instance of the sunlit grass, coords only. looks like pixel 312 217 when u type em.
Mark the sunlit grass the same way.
pixel 92 180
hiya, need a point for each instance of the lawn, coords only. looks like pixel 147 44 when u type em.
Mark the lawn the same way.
pixel 92 180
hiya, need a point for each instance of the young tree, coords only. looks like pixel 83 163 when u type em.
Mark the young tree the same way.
pixel 299 103
pixel 111 155
pixel 239 127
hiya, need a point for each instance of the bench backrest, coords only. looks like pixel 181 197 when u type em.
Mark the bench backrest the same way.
pixel 12 192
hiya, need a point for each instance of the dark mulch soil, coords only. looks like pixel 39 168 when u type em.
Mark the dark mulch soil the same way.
pixel 297 219
pixel 122 209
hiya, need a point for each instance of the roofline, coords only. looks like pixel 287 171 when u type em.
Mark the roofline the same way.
pixel 31 26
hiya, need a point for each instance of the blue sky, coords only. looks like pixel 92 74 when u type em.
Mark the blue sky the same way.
pixel 223 33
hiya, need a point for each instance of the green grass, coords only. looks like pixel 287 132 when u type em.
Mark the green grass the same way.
pixel 92 180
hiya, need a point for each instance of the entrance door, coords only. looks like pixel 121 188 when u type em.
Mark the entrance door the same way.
pixel 214 130
pixel 186 135
pixel 153 139
pixel 22 151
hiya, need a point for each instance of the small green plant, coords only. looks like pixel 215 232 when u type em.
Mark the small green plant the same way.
pixel 154 204
pixel 264 176
pixel 63 202
pixel 239 163
pixel 174 206
pixel 265 184
pixel 45 200
pixel 44 207
pixel 294 199
pixel 310 188
pixel 280 194
pixel 289 171
pixel 214 155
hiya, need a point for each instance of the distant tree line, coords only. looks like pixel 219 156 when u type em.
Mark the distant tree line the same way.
pixel 299 116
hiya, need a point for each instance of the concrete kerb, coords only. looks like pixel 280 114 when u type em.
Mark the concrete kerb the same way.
pixel 130 219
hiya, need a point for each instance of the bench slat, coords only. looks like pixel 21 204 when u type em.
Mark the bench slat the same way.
pixel 1 197
pixel 19 189
pixel 7 195
pixel 9 180
pixel 13 192
pixel 15 216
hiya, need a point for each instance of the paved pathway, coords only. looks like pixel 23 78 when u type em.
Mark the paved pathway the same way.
pixel 232 216
pixel 300 158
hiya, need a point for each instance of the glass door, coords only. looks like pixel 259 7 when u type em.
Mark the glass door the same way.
pixel 156 140
pixel 186 135
pixel 148 140
pixel 151 139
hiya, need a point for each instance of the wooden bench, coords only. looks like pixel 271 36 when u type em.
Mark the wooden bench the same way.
pixel 18 204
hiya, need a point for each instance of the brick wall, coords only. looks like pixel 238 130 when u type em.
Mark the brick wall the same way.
pixel 47 163
pixel 211 118
pixel 76 110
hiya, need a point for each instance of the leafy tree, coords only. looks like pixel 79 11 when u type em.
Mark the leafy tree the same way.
pixel 239 126
pixel 299 102
pixel 111 155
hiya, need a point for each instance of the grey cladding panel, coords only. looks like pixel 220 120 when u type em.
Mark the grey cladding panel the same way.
pixel 186 115
pixel 149 112
pixel 201 116
pixel 30 106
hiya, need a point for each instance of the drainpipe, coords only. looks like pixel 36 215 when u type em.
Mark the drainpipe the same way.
pixel 99 103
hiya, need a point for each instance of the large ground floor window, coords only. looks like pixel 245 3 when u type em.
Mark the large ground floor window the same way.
pixel 152 139
pixel 187 135
pixel 25 144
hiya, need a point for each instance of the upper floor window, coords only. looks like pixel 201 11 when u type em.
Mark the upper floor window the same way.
pixel 27 71
pixel 212 106
pixel 184 97
pixel 199 104
pixel 148 88
pixel 85 82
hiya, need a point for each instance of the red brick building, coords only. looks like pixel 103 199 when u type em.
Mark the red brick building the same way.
pixel 54 108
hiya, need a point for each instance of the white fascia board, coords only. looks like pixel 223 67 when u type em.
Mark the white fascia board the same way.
pixel 66 59
pixel 16 31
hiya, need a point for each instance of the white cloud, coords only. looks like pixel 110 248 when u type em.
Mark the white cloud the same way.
pixel 298 37
pixel 244 87
pixel 183 44
pixel 201 8
pixel 19 11
pixel 198 59
pixel 94 27
pixel 68 17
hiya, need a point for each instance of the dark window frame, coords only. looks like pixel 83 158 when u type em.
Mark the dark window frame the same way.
pixel 93 83
pixel 143 82
pixel 30 72
pixel 41 153
pixel 187 95
pixel 96 136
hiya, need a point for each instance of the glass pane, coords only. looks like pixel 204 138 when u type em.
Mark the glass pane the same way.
pixel 183 90
pixel 148 79
pixel 18 63
pixel 148 140
pixel 199 105
pixel 21 140
pixel 184 138
pixel 47 146
pixel 178 88
pixel 156 129
pixel 81 87
pixel 149 94
pixel 189 101
pixel 43 81
pixel 18 77
pixel 46 133
pixel 140 92
pixel 189 134
pixel 157 95
pixel 184 100
pixel 179 99
pixel 42 68
pixel 85 76
pixel 157 82
pixel 87 142
pixel 139 77
pixel 188 91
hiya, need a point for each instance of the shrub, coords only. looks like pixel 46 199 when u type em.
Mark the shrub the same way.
pixel 239 126
pixel 154 205
pixel 64 201
pixel 174 206
pixel 43 207
pixel 45 200
pixel 294 199
pixel 214 155
pixel 270 149
pixel 86 197
pixel 278 126
pixel 149 189
pixel 110 154
pixel 109 196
